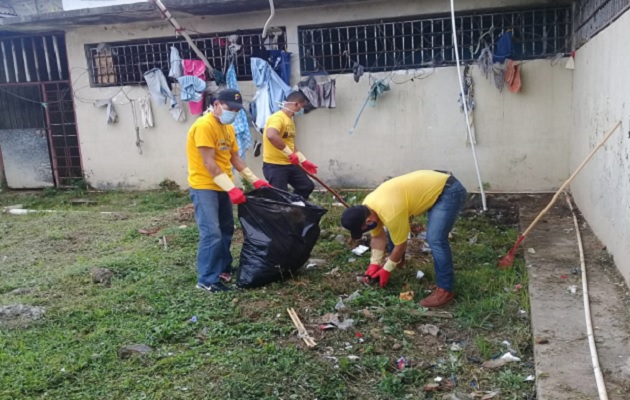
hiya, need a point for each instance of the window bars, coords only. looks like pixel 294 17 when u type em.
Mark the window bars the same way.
pixel 124 63
pixel 417 42
pixel 591 16
pixel 25 59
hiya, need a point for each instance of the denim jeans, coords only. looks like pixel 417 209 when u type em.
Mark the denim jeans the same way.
pixel 214 216
pixel 440 222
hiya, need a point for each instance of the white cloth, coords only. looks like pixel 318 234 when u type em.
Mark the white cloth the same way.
pixel 112 116
pixel 176 70
pixel 145 112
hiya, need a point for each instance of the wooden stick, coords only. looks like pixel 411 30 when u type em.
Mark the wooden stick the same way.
pixel 341 200
pixel 300 327
pixel 566 183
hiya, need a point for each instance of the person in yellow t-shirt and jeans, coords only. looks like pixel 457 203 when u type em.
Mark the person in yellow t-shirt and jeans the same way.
pixel 391 205
pixel 212 151
pixel 281 158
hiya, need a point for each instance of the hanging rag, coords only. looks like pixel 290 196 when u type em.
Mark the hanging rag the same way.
pixel 158 87
pixel 241 126
pixel 321 94
pixel 280 61
pixel 503 51
pixel 176 70
pixel 513 76
pixel 145 112
pixel 498 71
pixel 357 71
pixel 195 68
pixel 308 86
pixel 178 113
pixel 485 62
pixel 376 90
pixel 271 91
pixel 469 98
pixel 327 94
pixel 192 88
pixel 112 116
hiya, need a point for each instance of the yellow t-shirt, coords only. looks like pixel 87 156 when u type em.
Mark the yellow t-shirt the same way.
pixel 208 132
pixel 285 125
pixel 400 198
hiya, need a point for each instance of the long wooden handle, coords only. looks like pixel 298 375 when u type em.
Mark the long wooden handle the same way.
pixel 566 183
pixel 341 200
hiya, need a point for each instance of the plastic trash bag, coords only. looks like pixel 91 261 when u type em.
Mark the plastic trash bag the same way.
pixel 279 236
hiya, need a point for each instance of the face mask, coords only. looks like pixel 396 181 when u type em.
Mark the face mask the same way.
pixel 370 226
pixel 298 113
pixel 295 113
pixel 227 116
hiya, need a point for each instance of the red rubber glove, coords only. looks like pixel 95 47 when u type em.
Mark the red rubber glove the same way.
pixel 237 196
pixel 310 167
pixel 383 276
pixel 294 159
pixel 261 183
pixel 372 270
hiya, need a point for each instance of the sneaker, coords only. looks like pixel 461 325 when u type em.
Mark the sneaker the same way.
pixel 225 276
pixel 438 298
pixel 214 287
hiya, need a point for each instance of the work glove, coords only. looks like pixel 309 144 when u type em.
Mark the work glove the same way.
pixel 261 183
pixel 295 160
pixel 383 276
pixel 310 167
pixel 237 196
pixel 372 270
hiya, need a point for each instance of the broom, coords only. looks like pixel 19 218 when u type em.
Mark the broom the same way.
pixel 508 259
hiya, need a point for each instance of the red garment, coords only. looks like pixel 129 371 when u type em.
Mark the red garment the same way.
pixel 195 68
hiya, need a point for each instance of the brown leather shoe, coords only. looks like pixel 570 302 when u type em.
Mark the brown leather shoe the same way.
pixel 438 298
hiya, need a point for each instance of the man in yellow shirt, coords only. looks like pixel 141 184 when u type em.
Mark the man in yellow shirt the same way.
pixel 391 205
pixel 212 151
pixel 281 158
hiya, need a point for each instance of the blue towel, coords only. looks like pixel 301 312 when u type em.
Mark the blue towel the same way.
pixel 503 49
pixel 241 127
pixel 192 87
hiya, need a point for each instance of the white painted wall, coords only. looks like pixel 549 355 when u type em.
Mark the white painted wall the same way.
pixel 522 137
pixel 601 98
pixel 79 4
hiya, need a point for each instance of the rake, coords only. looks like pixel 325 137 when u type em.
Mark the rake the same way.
pixel 508 259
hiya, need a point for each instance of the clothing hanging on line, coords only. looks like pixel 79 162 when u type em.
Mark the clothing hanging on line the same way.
pixel 241 126
pixel 195 68
pixel 145 112
pixel 271 91
pixel 158 87
pixel 111 116
pixel 176 70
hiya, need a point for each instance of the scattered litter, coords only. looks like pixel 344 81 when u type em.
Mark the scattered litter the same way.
pixel 360 250
pixel 563 277
pixel 472 240
pixel 419 275
pixel 455 347
pixel 341 239
pixel 183 226
pixel 438 379
pixel 348 346
pixel 353 358
pixel 406 296
pixel 367 313
pixel 409 333
pixel 311 266
pixel 340 305
pixel 315 262
pixel 401 363
pixel 575 271
pixel 506 343
pixel 298 203
pixel 337 204
pixel 542 340
pixel 63 370
pixel 531 250
pixel 302 333
pixel 355 295
pixel 15 211
pixel 346 324
pixel 149 232
pixel 429 329
pixel 530 378
pixel 431 387
pixel 193 319
pixel 333 272
pixel 352 260
pixel 327 327
pixel 425 248
pixel 572 289
pixel 518 287
pixel 500 362
pixel 359 335
pixel 422 235
pixel 522 312
pixel 329 318
pixel 474 360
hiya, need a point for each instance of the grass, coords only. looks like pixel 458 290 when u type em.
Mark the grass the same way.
pixel 243 345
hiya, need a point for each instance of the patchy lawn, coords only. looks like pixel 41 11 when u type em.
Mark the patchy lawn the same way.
pixel 243 344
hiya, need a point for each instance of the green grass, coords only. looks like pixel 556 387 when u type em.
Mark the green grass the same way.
pixel 243 345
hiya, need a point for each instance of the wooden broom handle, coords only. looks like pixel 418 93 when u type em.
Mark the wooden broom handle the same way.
pixel 566 183
pixel 341 200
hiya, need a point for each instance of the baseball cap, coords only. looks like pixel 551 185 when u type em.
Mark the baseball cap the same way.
pixel 353 219
pixel 232 98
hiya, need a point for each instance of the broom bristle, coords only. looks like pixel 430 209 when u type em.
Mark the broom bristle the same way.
pixel 508 259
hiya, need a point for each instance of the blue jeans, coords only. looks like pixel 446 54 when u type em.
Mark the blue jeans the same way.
pixel 440 222
pixel 214 216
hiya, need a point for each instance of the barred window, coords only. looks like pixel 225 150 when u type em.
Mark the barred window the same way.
pixel 418 42
pixel 591 16
pixel 124 63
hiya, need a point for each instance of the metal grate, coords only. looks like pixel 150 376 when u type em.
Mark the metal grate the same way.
pixel 33 59
pixel 124 63
pixel 427 41
pixel 591 16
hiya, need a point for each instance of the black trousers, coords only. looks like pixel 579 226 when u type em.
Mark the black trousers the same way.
pixel 281 176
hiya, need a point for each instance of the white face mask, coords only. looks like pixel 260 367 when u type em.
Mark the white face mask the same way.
pixel 295 113
pixel 227 117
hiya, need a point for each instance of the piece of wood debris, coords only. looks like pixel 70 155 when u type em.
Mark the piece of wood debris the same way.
pixel 302 333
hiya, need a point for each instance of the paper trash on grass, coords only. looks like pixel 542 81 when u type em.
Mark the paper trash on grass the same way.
pixel 572 289
pixel 406 296
pixel 360 250
pixel 419 275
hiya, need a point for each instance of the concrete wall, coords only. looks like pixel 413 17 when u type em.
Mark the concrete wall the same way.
pixel 33 7
pixel 522 138
pixel 601 98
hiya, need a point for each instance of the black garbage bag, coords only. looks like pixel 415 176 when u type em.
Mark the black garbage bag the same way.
pixel 279 235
